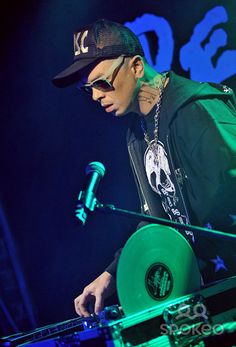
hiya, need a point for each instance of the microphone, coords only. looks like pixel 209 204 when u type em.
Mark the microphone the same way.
pixel 87 199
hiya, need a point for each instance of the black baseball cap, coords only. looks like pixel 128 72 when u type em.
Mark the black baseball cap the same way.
pixel 100 40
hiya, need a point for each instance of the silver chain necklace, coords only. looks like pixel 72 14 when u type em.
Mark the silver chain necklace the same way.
pixel 153 144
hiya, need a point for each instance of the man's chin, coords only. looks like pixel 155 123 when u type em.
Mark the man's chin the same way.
pixel 120 113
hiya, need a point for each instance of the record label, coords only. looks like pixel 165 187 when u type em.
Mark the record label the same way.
pixel 158 281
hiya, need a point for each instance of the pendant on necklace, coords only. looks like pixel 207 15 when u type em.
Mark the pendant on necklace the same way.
pixel 154 148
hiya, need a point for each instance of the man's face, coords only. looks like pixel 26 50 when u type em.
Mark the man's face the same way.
pixel 119 99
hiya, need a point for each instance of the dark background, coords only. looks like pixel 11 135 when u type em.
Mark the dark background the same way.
pixel 49 135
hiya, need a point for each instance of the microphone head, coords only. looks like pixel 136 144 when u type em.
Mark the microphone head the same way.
pixel 95 166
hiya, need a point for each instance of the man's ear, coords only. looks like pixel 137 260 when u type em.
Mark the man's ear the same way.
pixel 136 64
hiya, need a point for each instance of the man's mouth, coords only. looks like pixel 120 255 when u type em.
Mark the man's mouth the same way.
pixel 109 108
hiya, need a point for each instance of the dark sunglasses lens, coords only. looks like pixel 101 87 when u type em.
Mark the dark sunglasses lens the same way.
pixel 86 89
pixel 102 84
pixel 99 84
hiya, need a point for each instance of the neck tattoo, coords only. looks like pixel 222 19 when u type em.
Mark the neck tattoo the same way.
pixel 149 91
pixel 153 144
pixel 147 96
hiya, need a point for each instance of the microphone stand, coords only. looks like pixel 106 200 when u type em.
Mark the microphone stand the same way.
pixel 111 209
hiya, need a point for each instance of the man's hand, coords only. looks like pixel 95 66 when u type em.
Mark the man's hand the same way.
pixel 95 293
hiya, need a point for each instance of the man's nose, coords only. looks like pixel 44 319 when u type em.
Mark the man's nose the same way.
pixel 97 94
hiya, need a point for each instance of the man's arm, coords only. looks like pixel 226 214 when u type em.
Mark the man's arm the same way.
pixel 93 296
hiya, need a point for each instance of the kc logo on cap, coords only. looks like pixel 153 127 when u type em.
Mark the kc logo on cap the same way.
pixel 79 44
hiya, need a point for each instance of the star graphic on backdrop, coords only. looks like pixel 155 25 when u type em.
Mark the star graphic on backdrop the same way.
pixel 233 216
pixel 219 264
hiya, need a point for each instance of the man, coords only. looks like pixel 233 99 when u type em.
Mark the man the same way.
pixel 182 143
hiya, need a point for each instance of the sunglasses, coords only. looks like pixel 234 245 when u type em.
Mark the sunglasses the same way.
pixel 102 83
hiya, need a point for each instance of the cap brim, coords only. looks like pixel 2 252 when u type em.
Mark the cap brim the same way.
pixel 71 74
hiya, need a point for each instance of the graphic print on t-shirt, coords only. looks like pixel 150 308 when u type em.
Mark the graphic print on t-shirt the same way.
pixel 160 179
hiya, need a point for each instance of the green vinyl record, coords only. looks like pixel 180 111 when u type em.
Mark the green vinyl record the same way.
pixel 156 265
